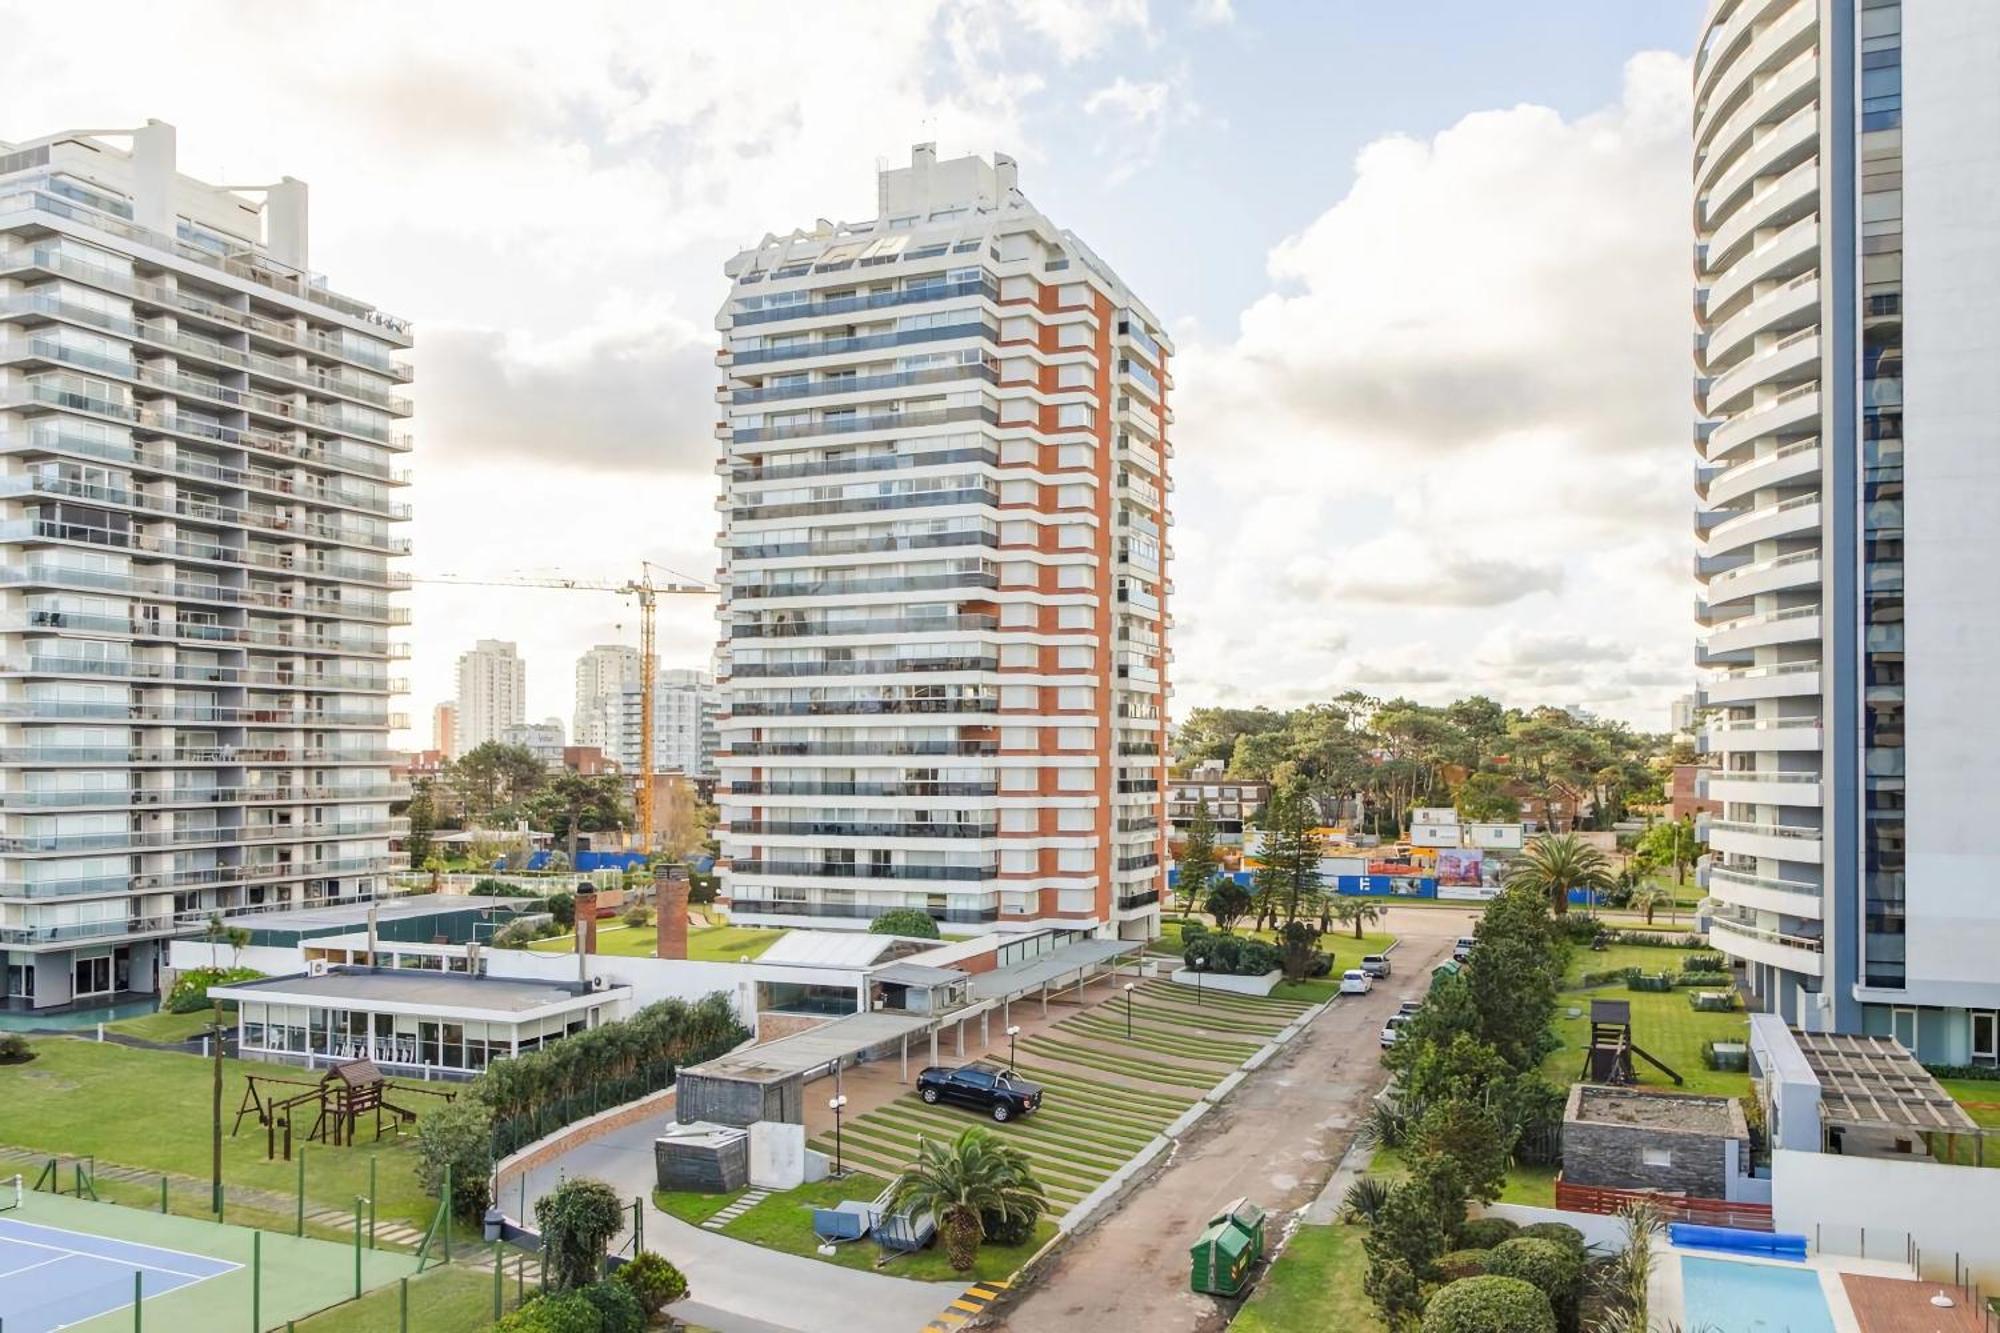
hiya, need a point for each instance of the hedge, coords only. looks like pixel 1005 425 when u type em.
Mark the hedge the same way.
pixel 190 991
pixel 1489 1305
pixel 1458 1264
pixel 1483 1233
pixel 1552 1267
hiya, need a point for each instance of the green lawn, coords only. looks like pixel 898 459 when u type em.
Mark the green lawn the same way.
pixel 1340 942
pixel 784 1222
pixel 450 1299
pixel 1315 1284
pixel 707 944
pixel 1662 1023
pixel 162 1027
pixel 689 1206
pixel 149 1109
pixel 1535 1185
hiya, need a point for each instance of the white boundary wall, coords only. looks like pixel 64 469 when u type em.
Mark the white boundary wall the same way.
pixel 1949 1210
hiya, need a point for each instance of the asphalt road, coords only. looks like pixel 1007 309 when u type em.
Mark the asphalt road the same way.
pixel 1276 1141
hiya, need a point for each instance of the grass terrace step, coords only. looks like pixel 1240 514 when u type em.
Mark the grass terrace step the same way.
pixel 1116 1045
pixel 1129 1099
pixel 1211 1015
pixel 1068 1159
pixel 1235 1052
pixel 1058 1139
pixel 1091 1058
pixel 1150 1021
pixel 1227 999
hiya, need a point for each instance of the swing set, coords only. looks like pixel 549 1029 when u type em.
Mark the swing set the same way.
pixel 345 1095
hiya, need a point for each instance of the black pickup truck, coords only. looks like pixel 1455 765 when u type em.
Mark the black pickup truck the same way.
pixel 1000 1093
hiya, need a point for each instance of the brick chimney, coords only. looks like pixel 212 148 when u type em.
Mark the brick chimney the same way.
pixel 586 920
pixel 670 911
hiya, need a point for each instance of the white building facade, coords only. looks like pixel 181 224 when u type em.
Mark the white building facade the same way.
pixel 687 708
pixel 1847 175
pixel 944 666
pixel 199 458
pixel 492 694
pixel 601 674
pixel 543 739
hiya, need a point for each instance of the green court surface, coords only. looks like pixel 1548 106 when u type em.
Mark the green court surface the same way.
pixel 298 1278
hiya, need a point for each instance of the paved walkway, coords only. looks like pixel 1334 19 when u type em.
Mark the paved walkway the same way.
pixel 738 1287
pixel 1276 1141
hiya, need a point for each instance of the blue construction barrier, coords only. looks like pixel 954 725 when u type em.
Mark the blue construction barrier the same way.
pixel 1352 886
pixel 1733 1240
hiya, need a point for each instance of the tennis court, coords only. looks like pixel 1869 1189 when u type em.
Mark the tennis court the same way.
pixel 68 1263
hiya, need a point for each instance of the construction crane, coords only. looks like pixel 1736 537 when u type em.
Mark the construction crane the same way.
pixel 648 590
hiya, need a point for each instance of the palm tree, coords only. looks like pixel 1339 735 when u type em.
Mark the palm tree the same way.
pixel 1555 863
pixel 1648 896
pixel 956 1182
pixel 1357 912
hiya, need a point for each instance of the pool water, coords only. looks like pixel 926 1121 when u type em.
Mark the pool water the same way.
pixel 1726 1297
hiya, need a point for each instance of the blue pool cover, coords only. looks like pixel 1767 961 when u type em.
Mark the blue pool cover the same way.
pixel 1766 1244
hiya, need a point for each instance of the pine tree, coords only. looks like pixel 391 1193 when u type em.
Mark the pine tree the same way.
pixel 1197 861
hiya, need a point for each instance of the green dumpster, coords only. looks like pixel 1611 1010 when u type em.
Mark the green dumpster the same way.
pixel 1227 1249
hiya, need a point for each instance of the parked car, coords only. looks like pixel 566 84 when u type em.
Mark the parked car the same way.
pixel 1462 951
pixel 1408 1007
pixel 1356 982
pixel 1376 964
pixel 1392 1029
pixel 1000 1093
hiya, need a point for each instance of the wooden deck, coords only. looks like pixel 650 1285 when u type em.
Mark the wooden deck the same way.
pixel 1897 1305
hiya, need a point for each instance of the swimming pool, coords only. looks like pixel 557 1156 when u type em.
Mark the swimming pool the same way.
pixel 1728 1297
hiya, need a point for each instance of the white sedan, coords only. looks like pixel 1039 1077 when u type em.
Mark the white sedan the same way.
pixel 1356 982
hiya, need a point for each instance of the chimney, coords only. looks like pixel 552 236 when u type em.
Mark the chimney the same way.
pixel 670 911
pixel 1006 177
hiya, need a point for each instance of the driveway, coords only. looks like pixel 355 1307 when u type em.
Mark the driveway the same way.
pixel 737 1287
pixel 1276 1141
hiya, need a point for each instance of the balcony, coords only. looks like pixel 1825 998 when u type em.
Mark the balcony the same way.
pixel 857 423
pixel 1776 152
pixel 839 384
pixel 1777 842
pixel 855 587
pixel 741 908
pixel 858 748
pixel 1722 138
pixel 1786 254
pixel 1785 573
pixel 869 504
pixel 40 664
pixel 837 467
pixel 1783 309
pixel 1739 55
pixel 914 541
pixel 1759 944
pixel 805 629
pixel 1789 360
pixel 864 870
pixel 889 666
pixel 1786 464
pixel 1781 681
pixel 1796 517
pixel 874 342
pixel 1758 735
pixel 1777 202
pixel 925 789
pixel 930 291
pixel 1797 625
pixel 817 828
pixel 1763 893
pixel 162 797
pixel 861 707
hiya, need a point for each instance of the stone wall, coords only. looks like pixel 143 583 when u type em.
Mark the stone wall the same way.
pixel 1655 1141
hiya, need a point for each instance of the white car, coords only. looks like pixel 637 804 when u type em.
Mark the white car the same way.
pixel 1356 982
pixel 1462 951
pixel 1408 1008
pixel 1393 1029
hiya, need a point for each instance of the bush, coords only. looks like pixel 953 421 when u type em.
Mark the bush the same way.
pixel 1322 965
pixel 1653 982
pixel 1193 930
pixel 904 921
pixel 1484 1233
pixel 1489 1305
pixel 1971 1073
pixel 1015 1228
pixel 1223 953
pixel 190 990
pixel 637 916
pixel 1364 1198
pixel 654 1280
pixel 14 1049
pixel 578 1218
pixel 1258 958
pixel 1592 980
pixel 567 1312
pixel 1560 1232
pixel 618 1307
pixel 702 889
pixel 1458 1264
pixel 458 1134
pixel 1704 962
pixel 1550 1266
pixel 562 906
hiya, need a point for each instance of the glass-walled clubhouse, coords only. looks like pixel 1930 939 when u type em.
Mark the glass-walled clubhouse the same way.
pixel 429 1024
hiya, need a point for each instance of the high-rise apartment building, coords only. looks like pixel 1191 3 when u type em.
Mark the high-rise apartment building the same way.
pixel 198 463
pixel 944 662
pixel 686 707
pixel 601 673
pixel 444 729
pixel 1847 178
pixel 492 694
pixel 542 739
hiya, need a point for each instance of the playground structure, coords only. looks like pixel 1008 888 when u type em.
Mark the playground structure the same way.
pixel 1609 1057
pixel 342 1097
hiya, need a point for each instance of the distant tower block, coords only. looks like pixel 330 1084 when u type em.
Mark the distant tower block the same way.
pixel 670 909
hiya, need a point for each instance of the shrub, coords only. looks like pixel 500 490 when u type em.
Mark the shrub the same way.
pixel 1461 1264
pixel 14 1049
pixel 904 921
pixel 1704 962
pixel 578 1218
pixel 563 1312
pixel 1973 1073
pixel 562 906
pixel 458 1134
pixel 1223 953
pixel 1322 964
pixel 1550 1266
pixel 1489 1305
pixel 1560 1232
pixel 1654 982
pixel 654 1280
pixel 1015 1228
pixel 190 990
pixel 1257 958
pixel 1193 930
pixel 702 889
pixel 1484 1233
pixel 1364 1198
pixel 618 1307
pixel 515 935
pixel 637 916
pixel 1592 980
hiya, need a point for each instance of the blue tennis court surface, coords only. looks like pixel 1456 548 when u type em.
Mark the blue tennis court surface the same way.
pixel 51 1278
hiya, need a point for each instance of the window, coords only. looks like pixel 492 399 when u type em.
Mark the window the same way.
pixel 1019 655
pixel 1657 1157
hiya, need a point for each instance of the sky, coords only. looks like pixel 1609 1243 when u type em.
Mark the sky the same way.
pixel 1426 266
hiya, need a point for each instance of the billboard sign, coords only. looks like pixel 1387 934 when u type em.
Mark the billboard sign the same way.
pixel 1460 866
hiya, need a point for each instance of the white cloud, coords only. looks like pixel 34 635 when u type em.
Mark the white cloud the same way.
pixel 1078 29
pixel 1461 404
pixel 1211 13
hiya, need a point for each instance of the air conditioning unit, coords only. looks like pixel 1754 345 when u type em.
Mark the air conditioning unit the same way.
pixel 597 983
pixel 316 968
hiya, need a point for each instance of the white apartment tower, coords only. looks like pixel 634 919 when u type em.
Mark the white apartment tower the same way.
pixel 686 708
pixel 1847 182
pixel 601 673
pixel 945 439
pixel 199 444
pixel 492 694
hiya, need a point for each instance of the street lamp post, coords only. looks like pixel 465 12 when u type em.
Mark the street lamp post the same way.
pixel 1013 1031
pixel 836 1105
pixel 1199 964
pixel 1129 988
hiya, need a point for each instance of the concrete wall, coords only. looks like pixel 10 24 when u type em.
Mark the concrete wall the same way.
pixel 738 1102
pixel 1948 1210
pixel 1613 1157
pixel 1951 293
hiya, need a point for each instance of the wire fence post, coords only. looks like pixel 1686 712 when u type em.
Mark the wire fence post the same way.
pixel 444 1202
pixel 301 1224
pixel 257 1282
pixel 163 1192
pixel 371 1203
pixel 403 1307
pixel 138 1299
pixel 357 1246
pixel 499 1277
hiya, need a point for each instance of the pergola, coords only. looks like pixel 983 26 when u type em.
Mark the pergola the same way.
pixel 1873 1083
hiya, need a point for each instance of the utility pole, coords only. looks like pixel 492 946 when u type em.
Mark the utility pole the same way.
pixel 215 1188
